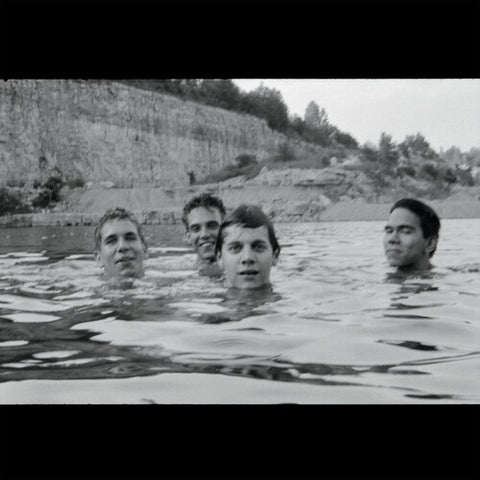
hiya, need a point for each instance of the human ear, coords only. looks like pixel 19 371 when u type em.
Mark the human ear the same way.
pixel 98 258
pixel 275 258
pixel 431 245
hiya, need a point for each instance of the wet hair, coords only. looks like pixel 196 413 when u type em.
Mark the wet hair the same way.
pixel 116 214
pixel 429 220
pixel 247 216
pixel 206 200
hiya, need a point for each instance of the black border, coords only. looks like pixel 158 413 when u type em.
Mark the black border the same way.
pixel 266 39
pixel 238 39
pixel 215 441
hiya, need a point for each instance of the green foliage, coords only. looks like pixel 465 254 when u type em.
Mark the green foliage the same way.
pixel 11 201
pixel 49 192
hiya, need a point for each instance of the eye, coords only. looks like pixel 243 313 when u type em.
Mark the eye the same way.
pixel 235 248
pixel 195 228
pixel 388 230
pixel 131 238
pixel 259 247
pixel 110 240
pixel 212 225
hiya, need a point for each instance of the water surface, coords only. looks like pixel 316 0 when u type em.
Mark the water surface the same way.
pixel 339 326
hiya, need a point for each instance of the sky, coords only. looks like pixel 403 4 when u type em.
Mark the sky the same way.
pixel 445 111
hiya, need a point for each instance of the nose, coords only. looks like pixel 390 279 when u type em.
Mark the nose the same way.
pixel 204 232
pixel 248 256
pixel 393 237
pixel 122 245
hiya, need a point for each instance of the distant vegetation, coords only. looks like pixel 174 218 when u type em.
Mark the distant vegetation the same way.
pixel 413 157
pixel 263 102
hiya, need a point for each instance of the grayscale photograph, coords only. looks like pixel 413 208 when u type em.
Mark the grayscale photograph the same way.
pixel 240 241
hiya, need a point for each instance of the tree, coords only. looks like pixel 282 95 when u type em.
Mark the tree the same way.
pixel 416 145
pixel 267 103
pixel 314 117
pixel 387 150
pixel 221 93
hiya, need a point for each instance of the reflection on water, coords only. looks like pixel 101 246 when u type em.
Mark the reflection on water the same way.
pixel 339 325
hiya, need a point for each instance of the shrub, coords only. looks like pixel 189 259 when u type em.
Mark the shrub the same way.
pixel 324 161
pixel 12 202
pixel 430 170
pixel 49 193
pixel 244 160
pixel 465 177
pixel 285 153
pixel 406 170
pixel 77 182
pixel 449 176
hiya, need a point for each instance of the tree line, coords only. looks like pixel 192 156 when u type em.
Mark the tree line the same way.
pixel 262 102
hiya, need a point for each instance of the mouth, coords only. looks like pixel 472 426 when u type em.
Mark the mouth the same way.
pixel 125 260
pixel 249 273
pixel 394 251
pixel 206 244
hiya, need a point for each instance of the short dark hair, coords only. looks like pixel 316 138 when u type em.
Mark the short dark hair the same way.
pixel 429 220
pixel 116 214
pixel 248 216
pixel 206 200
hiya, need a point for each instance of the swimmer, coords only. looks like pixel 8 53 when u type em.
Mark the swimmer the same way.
pixel 411 236
pixel 120 247
pixel 202 216
pixel 247 248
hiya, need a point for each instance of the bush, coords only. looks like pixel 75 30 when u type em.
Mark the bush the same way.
pixel 430 170
pixel 465 177
pixel 449 176
pixel 244 160
pixel 77 182
pixel 406 170
pixel 285 153
pixel 50 192
pixel 11 202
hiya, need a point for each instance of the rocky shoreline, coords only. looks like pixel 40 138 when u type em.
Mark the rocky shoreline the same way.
pixel 294 211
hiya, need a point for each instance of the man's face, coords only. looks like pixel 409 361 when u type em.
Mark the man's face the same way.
pixel 404 243
pixel 246 257
pixel 203 226
pixel 121 250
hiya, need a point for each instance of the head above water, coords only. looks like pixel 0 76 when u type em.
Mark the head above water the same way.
pixel 411 234
pixel 202 217
pixel 247 248
pixel 120 246
pixel 205 200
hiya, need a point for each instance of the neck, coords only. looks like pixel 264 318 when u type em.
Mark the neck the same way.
pixel 419 266
pixel 202 262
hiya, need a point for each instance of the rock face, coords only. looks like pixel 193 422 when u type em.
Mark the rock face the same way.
pixel 109 132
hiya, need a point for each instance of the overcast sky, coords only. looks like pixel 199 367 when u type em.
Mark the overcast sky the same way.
pixel 445 111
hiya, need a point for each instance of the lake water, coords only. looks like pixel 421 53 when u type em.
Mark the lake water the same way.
pixel 339 327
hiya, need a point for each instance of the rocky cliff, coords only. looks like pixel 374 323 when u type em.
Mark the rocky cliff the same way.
pixel 102 131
